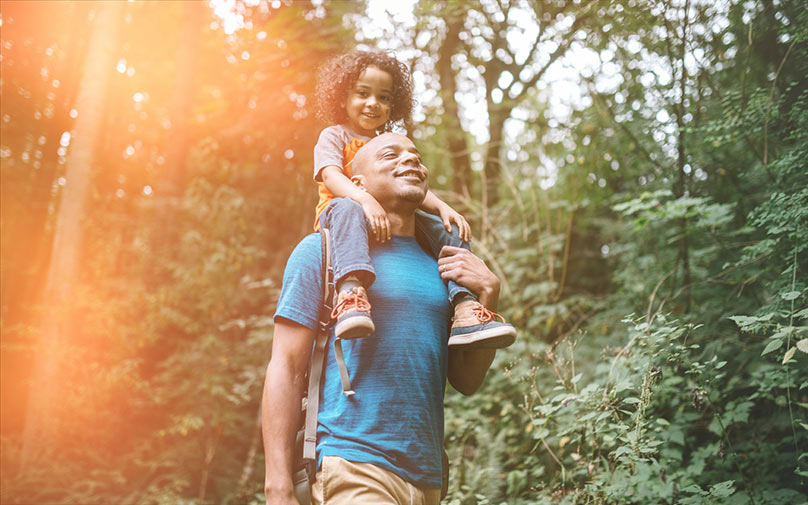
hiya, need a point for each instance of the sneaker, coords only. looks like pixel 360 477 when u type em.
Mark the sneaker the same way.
pixel 352 313
pixel 475 327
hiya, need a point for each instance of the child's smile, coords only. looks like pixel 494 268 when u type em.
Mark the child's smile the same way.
pixel 368 103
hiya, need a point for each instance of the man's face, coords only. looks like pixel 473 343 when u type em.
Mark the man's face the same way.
pixel 392 172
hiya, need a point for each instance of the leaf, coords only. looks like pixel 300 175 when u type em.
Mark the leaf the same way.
pixel 790 295
pixel 723 489
pixel 631 400
pixel 577 378
pixel 789 354
pixel 622 450
pixel 802 345
pixel 773 346
pixel 588 416
pixel 744 320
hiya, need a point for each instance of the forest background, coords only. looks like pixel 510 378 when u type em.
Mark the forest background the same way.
pixel 635 172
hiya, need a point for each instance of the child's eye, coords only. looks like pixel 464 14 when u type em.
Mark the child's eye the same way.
pixel 385 98
pixel 362 94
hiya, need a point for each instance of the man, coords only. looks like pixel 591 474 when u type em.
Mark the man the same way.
pixel 383 444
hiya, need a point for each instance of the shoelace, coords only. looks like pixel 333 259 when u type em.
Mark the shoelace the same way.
pixel 484 315
pixel 351 301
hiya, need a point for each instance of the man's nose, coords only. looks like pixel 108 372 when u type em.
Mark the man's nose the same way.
pixel 410 158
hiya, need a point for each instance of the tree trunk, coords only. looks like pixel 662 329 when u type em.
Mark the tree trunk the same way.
pixel 458 147
pixel 185 80
pixel 493 164
pixel 174 177
pixel 42 186
pixel 41 423
pixel 680 184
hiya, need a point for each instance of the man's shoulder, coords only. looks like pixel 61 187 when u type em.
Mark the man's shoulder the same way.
pixel 301 294
pixel 308 248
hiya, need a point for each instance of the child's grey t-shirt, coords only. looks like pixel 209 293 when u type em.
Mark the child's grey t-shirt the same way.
pixel 330 146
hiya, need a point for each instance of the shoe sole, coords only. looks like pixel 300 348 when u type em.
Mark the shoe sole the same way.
pixel 495 338
pixel 354 327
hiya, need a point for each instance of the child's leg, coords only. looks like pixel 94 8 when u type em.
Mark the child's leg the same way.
pixel 353 270
pixel 473 326
pixel 433 236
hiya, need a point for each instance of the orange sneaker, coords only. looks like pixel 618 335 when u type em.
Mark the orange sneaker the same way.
pixel 475 327
pixel 352 313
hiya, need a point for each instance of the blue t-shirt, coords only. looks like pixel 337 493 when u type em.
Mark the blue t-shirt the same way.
pixel 395 419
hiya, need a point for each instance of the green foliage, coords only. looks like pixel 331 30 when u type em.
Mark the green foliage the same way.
pixel 701 398
pixel 680 198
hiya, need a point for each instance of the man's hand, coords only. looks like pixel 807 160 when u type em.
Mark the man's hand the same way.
pixel 468 270
pixel 377 218
pixel 467 368
pixel 450 216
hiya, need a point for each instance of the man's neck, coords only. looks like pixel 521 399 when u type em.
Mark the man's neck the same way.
pixel 402 224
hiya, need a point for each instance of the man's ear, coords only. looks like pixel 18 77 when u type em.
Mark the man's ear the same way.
pixel 359 181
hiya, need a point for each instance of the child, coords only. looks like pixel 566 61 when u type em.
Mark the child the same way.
pixel 363 93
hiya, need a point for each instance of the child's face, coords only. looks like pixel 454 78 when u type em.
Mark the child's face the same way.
pixel 369 102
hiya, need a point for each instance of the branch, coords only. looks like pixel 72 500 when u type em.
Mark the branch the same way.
pixel 597 100
pixel 769 106
pixel 560 51
pixel 633 339
pixel 717 91
pixel 566 257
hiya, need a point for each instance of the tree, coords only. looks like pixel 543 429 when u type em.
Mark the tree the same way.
pixel 508 47
pixel 57 324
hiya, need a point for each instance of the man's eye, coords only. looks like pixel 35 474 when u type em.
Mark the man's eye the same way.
pixel 389 155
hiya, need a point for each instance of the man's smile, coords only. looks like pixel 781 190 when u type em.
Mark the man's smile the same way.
pixel 411 172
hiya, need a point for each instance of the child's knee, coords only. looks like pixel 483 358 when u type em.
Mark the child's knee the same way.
pixel 342 210
pixel 346 205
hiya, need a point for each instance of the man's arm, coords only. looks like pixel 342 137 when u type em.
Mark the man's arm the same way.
pixel 467 369
pixel 280 408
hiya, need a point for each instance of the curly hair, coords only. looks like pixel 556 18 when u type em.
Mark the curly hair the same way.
pixel 337 76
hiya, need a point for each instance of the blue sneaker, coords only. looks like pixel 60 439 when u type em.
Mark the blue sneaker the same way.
pixel 475 327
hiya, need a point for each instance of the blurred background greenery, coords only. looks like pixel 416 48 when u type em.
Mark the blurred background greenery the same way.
pixel 635 171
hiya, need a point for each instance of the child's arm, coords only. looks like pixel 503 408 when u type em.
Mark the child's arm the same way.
pixel 448 215
pixel 339 185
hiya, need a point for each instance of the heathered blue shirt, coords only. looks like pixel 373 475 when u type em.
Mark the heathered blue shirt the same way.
pixel 395 419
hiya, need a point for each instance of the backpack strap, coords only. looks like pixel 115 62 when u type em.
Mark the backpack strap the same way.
pixel 344 379
pixel 318 354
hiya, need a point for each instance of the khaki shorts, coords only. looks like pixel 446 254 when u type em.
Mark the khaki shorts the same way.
pixel 341 482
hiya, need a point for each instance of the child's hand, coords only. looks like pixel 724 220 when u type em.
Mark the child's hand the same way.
pixel 377 217
pixel 449 216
